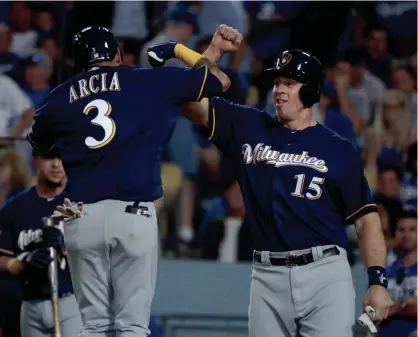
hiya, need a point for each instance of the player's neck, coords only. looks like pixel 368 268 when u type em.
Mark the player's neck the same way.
pixel 304 120
pixel 45 190
pixel 410 258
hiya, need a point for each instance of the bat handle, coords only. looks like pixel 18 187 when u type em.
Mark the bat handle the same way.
pixel 55 310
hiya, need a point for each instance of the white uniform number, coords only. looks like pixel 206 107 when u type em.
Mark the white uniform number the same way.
pixel 104 109
pixel 313 186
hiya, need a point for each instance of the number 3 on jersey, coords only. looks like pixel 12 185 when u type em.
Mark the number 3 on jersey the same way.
pixel 313 185
pixel 104 109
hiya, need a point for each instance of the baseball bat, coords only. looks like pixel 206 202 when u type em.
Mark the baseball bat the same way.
pixel 53 282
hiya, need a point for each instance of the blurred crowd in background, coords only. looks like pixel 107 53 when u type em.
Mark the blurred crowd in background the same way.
pixel 370 97
pixel 368 50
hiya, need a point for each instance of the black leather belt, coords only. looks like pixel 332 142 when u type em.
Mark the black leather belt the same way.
pixel 293 260
pixel 138 209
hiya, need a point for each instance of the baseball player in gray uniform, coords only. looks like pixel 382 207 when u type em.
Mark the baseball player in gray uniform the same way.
pixel 301 184
pixel 110 123
pixel 24 243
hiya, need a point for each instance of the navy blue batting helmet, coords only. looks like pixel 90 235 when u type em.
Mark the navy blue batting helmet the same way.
pixel 92 45
pixel 304 68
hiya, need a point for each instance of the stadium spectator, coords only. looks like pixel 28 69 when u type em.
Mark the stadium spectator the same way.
pixel 181 23
pixel 7 59
pixel 44 21
pixel 404 79
pixel 399 18
pixel 14 175
pixel 129 20
pixel 38 68
pixel 389 182
pixel 23 36
pixel 16 110
pixel 378 61
pixel 402 281
pixel 409 185
pixel 365 90
pixel 50 46
pixel 392 132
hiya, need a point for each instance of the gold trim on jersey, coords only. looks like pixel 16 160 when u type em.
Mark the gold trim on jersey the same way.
pixel 213 124
pixel 361 208
pixel 203 84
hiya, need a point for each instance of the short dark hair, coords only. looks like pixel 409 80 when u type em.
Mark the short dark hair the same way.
pixel 408 213
pixel 368 29
pixel 394 168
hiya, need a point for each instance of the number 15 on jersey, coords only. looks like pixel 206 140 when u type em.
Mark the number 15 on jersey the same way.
pixel 314 186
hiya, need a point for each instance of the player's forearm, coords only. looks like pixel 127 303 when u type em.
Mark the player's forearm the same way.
pixel 371 240
pixel 213 68
pixel 213 54
pixel 195 60
pixel 10 265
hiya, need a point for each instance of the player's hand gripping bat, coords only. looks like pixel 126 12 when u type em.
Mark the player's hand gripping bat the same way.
pixel 53 281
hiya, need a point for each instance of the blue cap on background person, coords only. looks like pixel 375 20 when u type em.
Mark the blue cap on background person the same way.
pixel 181 13
pixel 38 58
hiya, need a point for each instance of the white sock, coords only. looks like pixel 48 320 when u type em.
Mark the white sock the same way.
pixel 186 233
pixel 228 248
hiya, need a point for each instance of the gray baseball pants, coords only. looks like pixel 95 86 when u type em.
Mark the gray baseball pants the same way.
pixel 314 300
pixel 36 318
pixel 112 257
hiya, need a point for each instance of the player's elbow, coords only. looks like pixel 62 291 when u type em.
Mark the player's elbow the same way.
pixel 226 83
pixel 369 223
pixel 222 77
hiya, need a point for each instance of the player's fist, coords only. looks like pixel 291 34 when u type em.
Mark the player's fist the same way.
pixel 226 39
pixel 378 298
pixel 158 54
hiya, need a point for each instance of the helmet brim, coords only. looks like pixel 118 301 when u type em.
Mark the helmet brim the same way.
pixel 272 73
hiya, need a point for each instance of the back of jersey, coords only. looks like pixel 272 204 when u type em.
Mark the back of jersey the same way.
pixel 110 126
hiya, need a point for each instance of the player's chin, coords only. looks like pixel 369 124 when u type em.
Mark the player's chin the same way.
pixel 56 179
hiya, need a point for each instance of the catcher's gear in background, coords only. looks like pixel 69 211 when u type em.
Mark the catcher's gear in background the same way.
pixel 93 45
pixel 160 53
pixel 302 67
